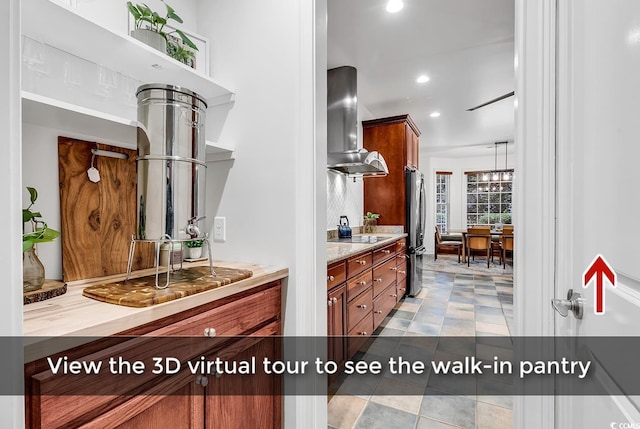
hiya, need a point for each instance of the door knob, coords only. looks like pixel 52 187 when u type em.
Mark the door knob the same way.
pixel 573 303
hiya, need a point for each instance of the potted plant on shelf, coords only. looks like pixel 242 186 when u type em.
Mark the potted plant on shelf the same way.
pixel 179 52
pixel 32 269
pixel 195 249
pixel 149 26
pixel 370 220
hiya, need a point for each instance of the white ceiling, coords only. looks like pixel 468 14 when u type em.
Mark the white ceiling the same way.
pixel 466 47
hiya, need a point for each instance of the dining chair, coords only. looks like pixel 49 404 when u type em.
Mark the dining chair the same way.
pixel 478 238
pixel 439 244
pixel 506 245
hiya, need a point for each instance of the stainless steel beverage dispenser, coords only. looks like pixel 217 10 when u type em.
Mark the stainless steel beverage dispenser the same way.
pixel 170 170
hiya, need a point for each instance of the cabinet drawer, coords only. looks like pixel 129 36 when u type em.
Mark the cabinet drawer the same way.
pixel 384 253
pixel 358 264
pixel 401 289
pixel 402 271
pixel 401 246
pixel 235 318
pixel 357 285
pixel 336 274
pixel 359 334
pixel 358 308
pixel 383 304
pixel 383 276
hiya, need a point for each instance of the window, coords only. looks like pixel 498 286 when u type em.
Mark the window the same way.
pixel 442 201
pixel 488 197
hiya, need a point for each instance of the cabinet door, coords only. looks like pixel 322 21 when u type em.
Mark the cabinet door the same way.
pixel 336 324
pixel 245 401
pixel 178 407
pixel 412 147
pixel 336 329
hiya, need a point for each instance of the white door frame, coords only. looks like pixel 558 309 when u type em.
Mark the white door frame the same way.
pixel 535 188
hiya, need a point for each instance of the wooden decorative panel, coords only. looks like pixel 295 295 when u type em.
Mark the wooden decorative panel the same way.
pixel 97 219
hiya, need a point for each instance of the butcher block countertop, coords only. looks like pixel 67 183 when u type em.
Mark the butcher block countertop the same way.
pixel 72 314
pixel 339 251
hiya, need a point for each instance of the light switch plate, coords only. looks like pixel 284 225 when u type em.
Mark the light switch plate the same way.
pixel 220 229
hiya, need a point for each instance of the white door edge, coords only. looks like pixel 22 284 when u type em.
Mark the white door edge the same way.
pixel 535 193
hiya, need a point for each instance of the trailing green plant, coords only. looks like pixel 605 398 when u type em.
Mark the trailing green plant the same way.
pixel 143 15
pixel 370 215
pixel 194 243
pixel 40 232
pixel 179 52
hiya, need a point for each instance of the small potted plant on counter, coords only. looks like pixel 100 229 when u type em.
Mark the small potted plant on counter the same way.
pixel 32 269
pixel 370 220
pixel 149 26
pixel 195 249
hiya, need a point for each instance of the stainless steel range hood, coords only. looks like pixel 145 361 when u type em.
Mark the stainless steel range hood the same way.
pixel 343 154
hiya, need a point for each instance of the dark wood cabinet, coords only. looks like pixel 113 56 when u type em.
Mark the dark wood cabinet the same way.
pixel 359 300
pixel 397 139
pixel 249 324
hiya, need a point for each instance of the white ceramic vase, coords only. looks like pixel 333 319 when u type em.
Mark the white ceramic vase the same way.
pixel 151 38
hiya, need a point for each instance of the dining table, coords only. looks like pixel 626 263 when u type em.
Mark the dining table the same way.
pixel 495 237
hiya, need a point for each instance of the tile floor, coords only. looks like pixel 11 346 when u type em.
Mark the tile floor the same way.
pixel 449 305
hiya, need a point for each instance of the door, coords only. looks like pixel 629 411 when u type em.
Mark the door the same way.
pixel 598 128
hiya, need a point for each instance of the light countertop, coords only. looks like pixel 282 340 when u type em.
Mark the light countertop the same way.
pixel 338 251
pixel 72 314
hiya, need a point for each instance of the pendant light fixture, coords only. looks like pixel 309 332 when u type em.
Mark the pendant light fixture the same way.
pixel 495 176
pixel 505 175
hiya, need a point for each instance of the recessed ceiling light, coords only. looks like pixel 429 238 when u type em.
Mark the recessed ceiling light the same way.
pixel 422 78
pixel 394 6
pixel 435 114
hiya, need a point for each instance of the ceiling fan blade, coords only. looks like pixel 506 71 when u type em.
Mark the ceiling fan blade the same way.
pixel 502 97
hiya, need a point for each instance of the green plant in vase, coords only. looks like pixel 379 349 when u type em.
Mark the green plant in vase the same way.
pixel 195 248
pixel 32 269
pixel 370 221
pixel 150 26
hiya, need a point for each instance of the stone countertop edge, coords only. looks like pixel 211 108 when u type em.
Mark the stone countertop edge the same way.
pixel 339 251
pixel 74 315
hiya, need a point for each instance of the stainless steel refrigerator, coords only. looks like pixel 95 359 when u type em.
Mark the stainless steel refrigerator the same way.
pixel 415 224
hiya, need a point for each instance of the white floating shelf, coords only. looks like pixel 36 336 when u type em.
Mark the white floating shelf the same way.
pixel 83 123
pixel 79 121
pixel 64 29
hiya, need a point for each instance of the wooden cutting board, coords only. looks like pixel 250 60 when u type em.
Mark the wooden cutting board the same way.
pixel 98 219
pixel 142 293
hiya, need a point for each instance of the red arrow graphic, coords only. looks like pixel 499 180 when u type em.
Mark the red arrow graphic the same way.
pixel 599 268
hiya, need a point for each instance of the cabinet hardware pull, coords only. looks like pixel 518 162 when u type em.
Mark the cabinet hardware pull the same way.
pixel 331 278
pixel 363 333
pixel 377 280
pixel 387 251
pixel 334 299
pixel 330 303
pixel 202 381
pixel 362 262
pixel 363 283
pixel 378 311
pixel 394 268
pixel 394 295
pixel 362 306
pixel 210 332
pixel 402 272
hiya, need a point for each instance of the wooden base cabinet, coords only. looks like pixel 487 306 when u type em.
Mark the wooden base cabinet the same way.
pixel 184 400
pixel 362 290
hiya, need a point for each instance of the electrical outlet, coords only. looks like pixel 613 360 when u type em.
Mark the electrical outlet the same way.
pixel 220 229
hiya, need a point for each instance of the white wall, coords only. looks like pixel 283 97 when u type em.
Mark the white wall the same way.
pixel 11 407
pixel 458 186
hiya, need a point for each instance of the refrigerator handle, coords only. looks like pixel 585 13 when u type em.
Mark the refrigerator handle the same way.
pixel 422 214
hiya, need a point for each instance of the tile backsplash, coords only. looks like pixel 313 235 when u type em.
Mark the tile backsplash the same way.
pixel 344 197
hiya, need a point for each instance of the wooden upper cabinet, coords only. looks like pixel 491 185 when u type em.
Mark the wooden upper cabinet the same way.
pixel 397 140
